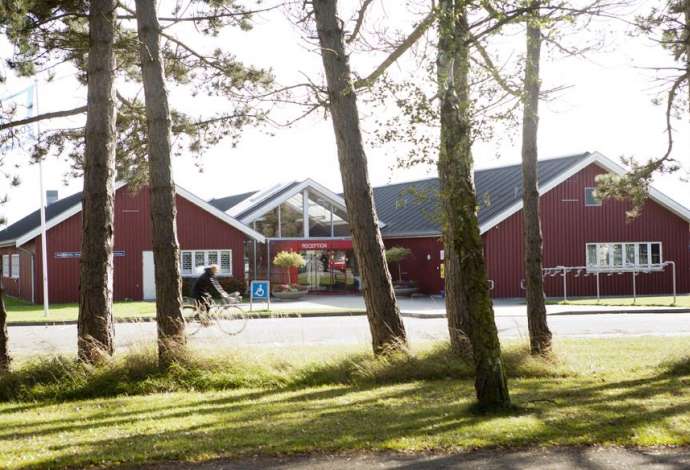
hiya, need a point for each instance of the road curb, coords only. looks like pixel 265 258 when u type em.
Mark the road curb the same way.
pixel 422 315
pixel 354 313
pixel 569 312
pixel 623 311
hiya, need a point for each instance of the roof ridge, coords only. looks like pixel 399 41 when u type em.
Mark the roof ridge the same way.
pixel 233 195
pixel 549 159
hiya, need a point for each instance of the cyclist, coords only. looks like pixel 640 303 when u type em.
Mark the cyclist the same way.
pixel 206 287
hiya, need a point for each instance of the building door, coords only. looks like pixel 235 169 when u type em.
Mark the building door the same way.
pixel 149 278
pixel 312 270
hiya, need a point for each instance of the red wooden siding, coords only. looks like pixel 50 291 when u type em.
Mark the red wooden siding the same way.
pixel 567 225
pixel 19 287
pixel 425 272
pixel 197 230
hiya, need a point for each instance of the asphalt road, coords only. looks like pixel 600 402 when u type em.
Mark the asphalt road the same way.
pixel 555 458
pixel 27 340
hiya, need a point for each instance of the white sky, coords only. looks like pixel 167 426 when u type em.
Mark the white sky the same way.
pixel 607 108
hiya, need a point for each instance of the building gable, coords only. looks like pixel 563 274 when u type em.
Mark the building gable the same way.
pixel 29 227
pixel 266 205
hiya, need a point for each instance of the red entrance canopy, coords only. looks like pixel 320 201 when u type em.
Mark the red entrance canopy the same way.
pixel 306 244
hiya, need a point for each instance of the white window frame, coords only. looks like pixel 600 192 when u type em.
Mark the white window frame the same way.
pixel 609 250
pixel 5 265
pixel 195 271
pixel 587 188
pixel 14 258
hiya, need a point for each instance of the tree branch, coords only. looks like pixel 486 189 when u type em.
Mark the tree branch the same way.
pixel 360 21
pixel 43 117
pixel 177 19
pixel 669 108
pixel 493 70
pixel 395 55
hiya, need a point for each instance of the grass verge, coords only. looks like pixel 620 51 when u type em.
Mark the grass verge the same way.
pixel 137 373
pixel 650 301
pixel 20 311
pixel 603 391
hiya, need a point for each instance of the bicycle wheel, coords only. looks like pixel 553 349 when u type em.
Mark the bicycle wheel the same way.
pixel 190 315
pixel 229 318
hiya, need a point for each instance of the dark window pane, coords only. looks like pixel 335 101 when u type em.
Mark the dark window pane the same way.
pixel 656 253
pixel 591 198
pixel 644 254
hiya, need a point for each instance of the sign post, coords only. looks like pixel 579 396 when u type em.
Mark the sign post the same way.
pixel 259 290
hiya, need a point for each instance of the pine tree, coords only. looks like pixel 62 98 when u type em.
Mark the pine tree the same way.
pixel 171 335
pixel 4 337
pixel 46 34
pixel 539 333
pixel 387 329
pixel 458 199
pixel 95 323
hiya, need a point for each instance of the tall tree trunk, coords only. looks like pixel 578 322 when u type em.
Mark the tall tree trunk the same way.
pixel 171 337
pixel 539 333
pixel 387 329
pixel 456 312
pixel 4 339
pixel 95 325
pixel 459 203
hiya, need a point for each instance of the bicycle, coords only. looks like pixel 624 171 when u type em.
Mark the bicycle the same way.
pixel 225 313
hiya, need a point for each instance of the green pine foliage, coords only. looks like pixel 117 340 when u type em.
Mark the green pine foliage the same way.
pixel 47 35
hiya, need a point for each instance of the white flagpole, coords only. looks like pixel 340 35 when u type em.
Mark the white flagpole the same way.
pixel 44 248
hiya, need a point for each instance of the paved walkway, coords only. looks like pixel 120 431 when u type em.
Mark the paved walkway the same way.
pixel 435 306
pixel 558 458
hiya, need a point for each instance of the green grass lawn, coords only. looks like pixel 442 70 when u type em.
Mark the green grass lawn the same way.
pixel 20 311
pixel 655 301
pixel 603 391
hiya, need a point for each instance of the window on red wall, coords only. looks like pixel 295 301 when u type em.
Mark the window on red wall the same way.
pixel 5 265
pixel 612 256
pixel 14 269
pixel 193 262
pixel 591 198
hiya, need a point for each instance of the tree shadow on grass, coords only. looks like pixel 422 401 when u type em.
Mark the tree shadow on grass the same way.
pixel 440 363
pixel 434 415
pixel 61 379
pixel 418 415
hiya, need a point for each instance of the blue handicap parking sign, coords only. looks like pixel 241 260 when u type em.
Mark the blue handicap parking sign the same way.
pixel 260 290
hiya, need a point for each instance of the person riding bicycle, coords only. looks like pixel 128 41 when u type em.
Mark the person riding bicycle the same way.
pixel 206 287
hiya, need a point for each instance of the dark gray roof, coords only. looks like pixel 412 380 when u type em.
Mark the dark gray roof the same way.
pixel 225 203
pixel 33 220
pixel 412 208
pixel 266 201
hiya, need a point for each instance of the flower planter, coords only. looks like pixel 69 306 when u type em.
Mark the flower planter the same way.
pixel 289 295
pixel 401 291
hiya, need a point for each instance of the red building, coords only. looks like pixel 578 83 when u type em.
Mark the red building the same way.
pixel 206 236
pixel 590 238
pixel 584 238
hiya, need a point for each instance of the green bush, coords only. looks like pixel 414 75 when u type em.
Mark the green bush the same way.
pixel 287 260
pixel 396 254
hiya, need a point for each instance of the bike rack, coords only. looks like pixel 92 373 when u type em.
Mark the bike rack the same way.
pixel 635 270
